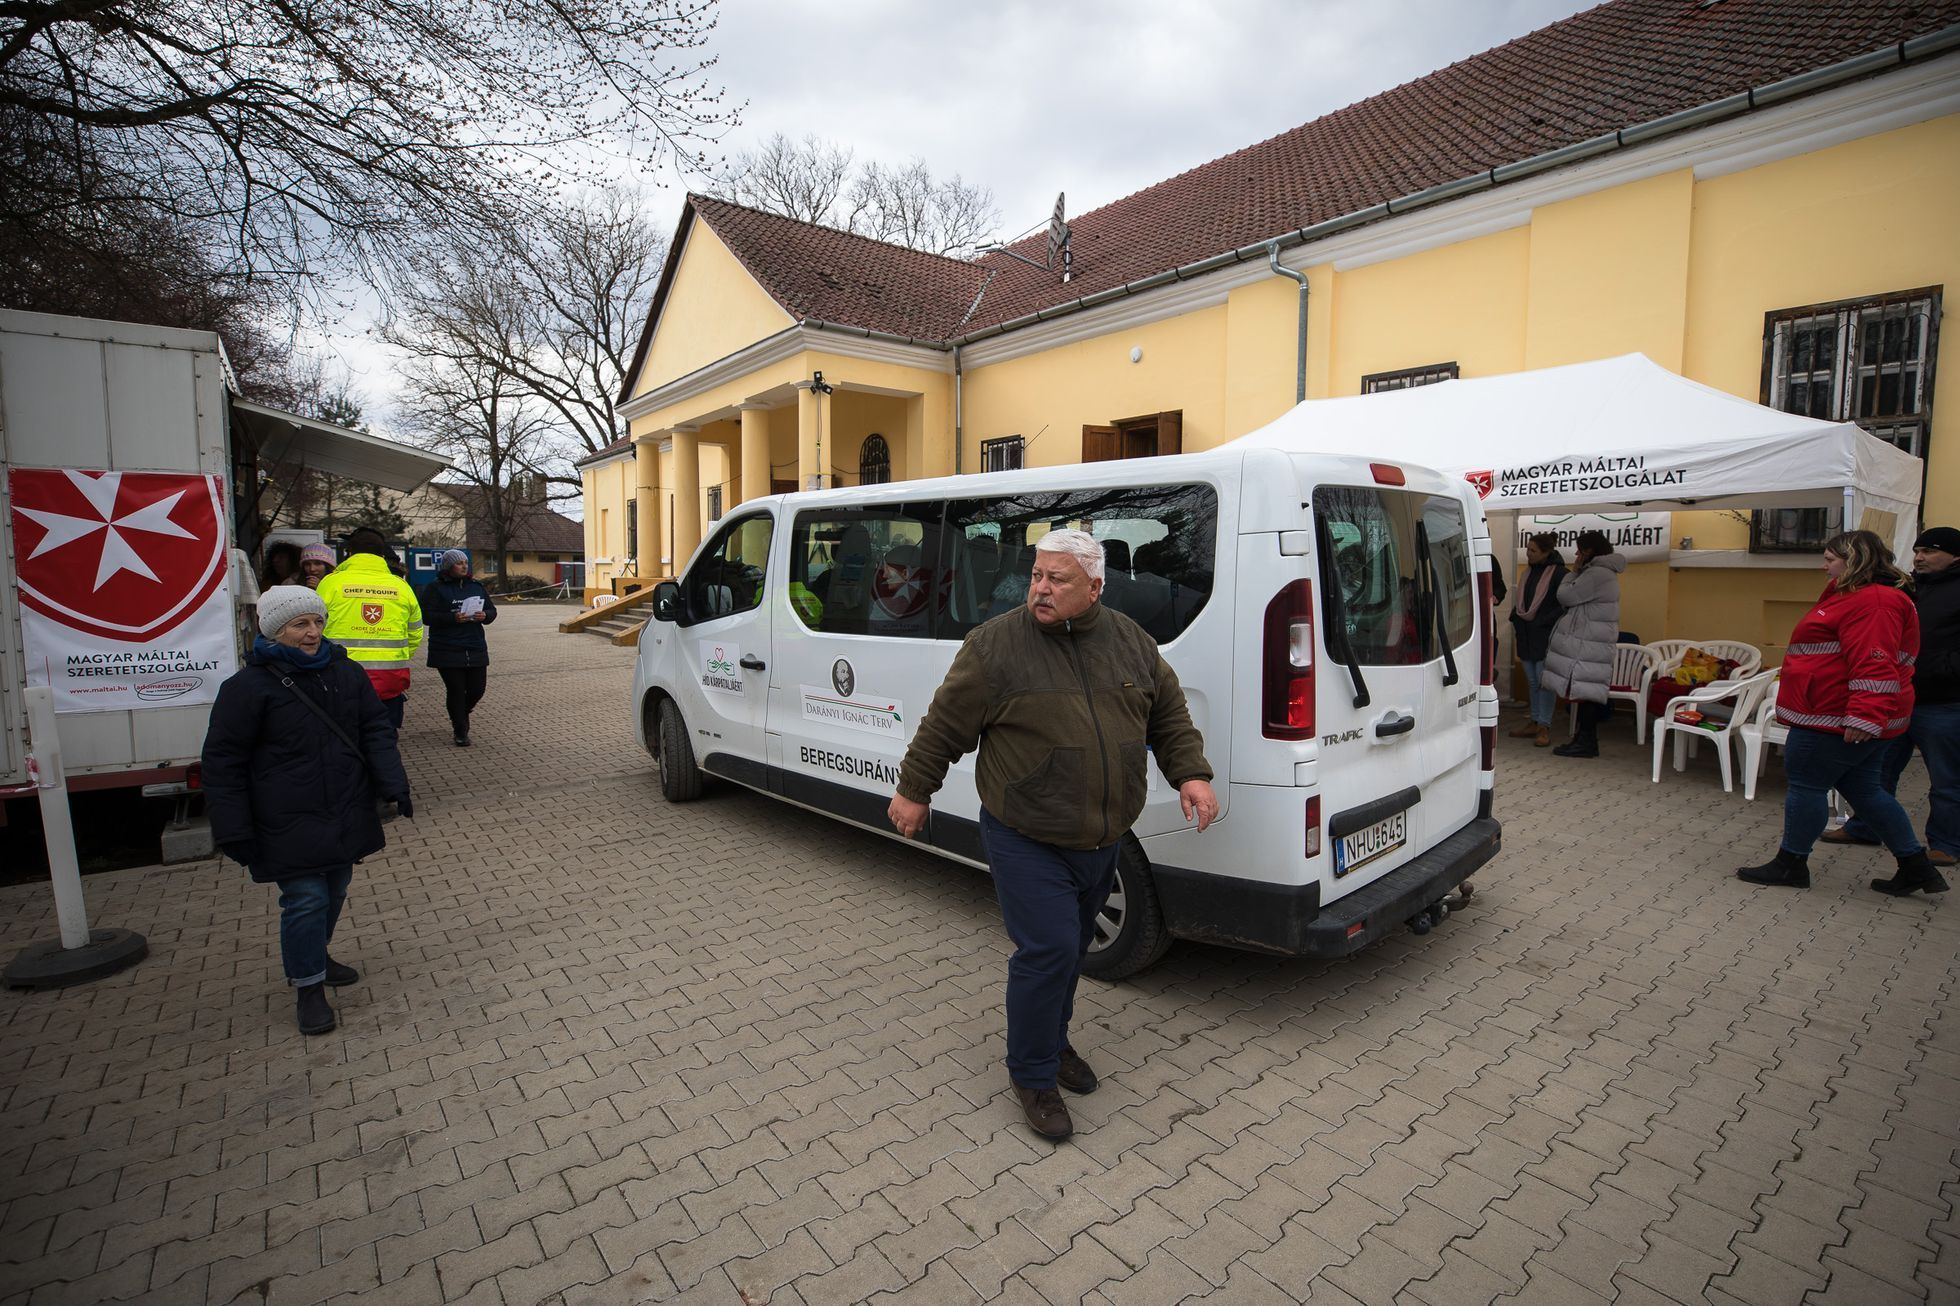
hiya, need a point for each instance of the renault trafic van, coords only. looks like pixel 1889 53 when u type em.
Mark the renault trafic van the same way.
pixel 1328 617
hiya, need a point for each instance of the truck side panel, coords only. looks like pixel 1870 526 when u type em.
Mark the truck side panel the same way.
pixel 130 398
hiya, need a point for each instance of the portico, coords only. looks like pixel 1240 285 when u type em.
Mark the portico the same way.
pixel 778 428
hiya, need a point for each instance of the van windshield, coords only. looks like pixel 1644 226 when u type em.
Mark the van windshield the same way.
pixel 1373 557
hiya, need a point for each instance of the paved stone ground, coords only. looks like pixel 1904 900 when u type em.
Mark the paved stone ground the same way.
pixel 609 1050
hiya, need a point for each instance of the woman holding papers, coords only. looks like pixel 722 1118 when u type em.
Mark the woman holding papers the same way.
pixel 456 608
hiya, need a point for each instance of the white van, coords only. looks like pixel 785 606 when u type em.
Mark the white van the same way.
pixel 1329 619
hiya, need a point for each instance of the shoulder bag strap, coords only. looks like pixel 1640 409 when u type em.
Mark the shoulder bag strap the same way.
pixel 332 724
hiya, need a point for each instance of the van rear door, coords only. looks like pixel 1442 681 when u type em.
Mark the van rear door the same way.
pixel 1396 707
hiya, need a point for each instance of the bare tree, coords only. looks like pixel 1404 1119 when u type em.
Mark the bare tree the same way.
pixel 799 179
pixel 294 140
pixel 814 180
pixel 907 206
pixel 554 310
pixel 460 398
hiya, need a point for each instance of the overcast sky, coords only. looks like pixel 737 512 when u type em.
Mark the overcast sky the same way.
pixel 1097 98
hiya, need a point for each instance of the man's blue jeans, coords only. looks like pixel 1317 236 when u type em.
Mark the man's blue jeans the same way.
pixel 1541 698
pixel 1818 761
pixel 1935 732
pixel 1049 898
pixel 309 908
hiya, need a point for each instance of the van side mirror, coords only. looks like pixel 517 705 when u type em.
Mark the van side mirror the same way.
pixel 666 601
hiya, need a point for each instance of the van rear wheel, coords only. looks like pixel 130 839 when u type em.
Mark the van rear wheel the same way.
pixel 1130 935
pixel 673 755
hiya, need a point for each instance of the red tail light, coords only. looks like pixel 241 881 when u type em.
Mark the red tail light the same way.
pixel 194 775
pixel 1388 474
pixel 1288 687
pixel 1313 826
pixel 1488 748
pixel 1486 623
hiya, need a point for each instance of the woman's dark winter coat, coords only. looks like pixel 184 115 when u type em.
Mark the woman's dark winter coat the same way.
pixel 454 642
pixel 284 793
pixel 1535 634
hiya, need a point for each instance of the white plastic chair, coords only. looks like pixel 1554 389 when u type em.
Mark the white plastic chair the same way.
pixel 1740 695
pixel 1631 664
pixel 1757 736
pixel 1667 655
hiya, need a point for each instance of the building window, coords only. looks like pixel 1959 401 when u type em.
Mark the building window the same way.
pixel 517 557
pixel 1868 361
pixel 1376 382
pixel 1002 455
pixel 714 503
pixel 1135 437
pixel 632 545
pixel 874 461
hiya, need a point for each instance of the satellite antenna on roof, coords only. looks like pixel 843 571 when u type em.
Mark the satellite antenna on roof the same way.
pixel 1060 253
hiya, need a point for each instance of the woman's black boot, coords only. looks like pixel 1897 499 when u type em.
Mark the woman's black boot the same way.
pixel 1785 869
pixel 1583 744
pixel 1916 875
pixel 315 1016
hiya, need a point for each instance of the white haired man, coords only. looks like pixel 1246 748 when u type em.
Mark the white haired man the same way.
pixel 1065 701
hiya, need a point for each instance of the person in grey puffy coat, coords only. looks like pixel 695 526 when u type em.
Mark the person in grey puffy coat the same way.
pixel 1579 662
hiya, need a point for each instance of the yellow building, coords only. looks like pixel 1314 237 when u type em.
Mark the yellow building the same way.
pixel 1757 200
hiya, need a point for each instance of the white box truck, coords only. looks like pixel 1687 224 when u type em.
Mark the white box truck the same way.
pixel 132 467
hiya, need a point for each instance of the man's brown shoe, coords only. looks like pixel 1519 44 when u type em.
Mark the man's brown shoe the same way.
pixel 1840 835
pixel 1525 731
pixel 1938 858
pixel 1074 1073
pixel 1046 1112
pixel 1542 737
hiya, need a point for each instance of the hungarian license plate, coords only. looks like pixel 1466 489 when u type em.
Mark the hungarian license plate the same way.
pixel 1353 851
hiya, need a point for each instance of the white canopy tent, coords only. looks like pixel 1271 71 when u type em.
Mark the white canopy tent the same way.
pixel 1617 433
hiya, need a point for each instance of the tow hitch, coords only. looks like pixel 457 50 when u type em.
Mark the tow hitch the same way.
pixel 1431 916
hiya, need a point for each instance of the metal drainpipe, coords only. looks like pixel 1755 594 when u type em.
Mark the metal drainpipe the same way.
pixel 1300 372
pixel 959 439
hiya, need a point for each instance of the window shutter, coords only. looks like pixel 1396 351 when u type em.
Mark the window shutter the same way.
pixel 1170 431
pixel 1100 444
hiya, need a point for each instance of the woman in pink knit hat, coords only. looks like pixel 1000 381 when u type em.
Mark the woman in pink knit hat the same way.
pixel 315 561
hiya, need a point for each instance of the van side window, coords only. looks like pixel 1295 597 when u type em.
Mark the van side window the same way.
pixel 867 571
pixel 728 576
pixel 1159 543
pixel 1372 556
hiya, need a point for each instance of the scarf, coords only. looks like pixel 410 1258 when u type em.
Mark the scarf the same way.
pixel 1536 596
pixel 297 659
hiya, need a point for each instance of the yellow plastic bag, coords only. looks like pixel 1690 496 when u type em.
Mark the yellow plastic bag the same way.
pixel 1698 668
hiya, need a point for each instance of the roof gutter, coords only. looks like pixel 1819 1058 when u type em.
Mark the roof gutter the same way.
pixel 1790 88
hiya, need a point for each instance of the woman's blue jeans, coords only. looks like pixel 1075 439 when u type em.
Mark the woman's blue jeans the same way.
pixel 1541 698
pixel 1818 761
pixel 309 908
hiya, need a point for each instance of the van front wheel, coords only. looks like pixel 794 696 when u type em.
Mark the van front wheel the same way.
pixel 1130 935
pixel 673 754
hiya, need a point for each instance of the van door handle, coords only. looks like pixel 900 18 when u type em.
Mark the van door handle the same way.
pixel 1394 725
pixel 751 661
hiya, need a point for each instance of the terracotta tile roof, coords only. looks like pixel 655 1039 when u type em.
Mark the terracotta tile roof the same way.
pixel 1620 64
pixel 542 529
pixel 836 276
pixel 621 445
pixel 1614 66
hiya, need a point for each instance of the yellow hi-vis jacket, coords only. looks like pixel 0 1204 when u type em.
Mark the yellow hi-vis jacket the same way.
pixel 373 614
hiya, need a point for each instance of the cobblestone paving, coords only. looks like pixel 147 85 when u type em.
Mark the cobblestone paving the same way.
pixel 608 1050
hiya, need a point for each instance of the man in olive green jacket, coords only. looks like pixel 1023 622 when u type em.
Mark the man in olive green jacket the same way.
pixel 1065 701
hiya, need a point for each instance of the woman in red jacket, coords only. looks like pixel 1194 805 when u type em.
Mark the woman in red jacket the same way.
pixel 1847 682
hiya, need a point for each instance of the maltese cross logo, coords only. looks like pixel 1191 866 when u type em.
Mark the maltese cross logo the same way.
pixel 118 554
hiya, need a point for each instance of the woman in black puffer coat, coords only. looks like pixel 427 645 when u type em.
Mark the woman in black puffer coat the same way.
pixel 287 796
pixel 1536 612
pixel 457 649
